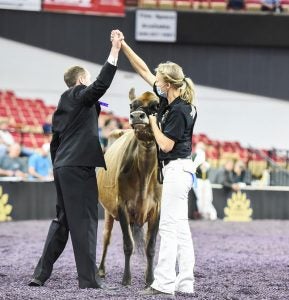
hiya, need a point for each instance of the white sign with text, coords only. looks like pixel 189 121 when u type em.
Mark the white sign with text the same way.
pixel 156 26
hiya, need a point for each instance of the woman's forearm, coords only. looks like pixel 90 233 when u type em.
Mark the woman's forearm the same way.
pixel 165 144
pixel 137 63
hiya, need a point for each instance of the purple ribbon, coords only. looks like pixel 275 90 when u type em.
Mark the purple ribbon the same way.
pixel 103 103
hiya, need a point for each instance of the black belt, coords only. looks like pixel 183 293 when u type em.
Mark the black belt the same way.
pixel 166 161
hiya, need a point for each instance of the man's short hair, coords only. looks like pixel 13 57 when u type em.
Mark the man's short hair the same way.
pixel 72 74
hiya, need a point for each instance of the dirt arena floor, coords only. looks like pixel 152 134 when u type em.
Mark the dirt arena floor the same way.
pixel 233 261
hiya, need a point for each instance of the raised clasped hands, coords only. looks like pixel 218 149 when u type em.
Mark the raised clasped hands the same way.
pixel 116 36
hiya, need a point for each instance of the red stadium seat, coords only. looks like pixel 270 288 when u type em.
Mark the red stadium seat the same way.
pixel 3 111
pixel 18 119
pixel 31 121
pixel 285 5
pixel 16 136
pixel 28 143
pixel 26 113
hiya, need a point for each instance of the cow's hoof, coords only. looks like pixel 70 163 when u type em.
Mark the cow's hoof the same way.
pixel 126 281
pixel 101 273
pixel 149 283
pixel 149 279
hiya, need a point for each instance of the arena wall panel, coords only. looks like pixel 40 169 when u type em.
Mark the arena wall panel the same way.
pixel 242 52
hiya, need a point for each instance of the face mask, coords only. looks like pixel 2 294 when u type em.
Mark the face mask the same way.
pixel 161 93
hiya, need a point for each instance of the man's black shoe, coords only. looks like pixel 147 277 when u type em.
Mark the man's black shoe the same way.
pixel 35 282
pixel 101 286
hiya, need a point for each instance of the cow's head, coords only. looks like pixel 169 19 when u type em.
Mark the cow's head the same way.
pixel 140 109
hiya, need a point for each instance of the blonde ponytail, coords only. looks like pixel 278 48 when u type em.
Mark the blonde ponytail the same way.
pixel 187 91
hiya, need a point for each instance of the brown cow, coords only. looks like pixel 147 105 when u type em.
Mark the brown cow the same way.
pixel 129 190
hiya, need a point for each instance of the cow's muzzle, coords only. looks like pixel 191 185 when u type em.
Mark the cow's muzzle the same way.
pixel 138 117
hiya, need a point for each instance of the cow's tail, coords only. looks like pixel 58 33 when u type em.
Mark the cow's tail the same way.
pixel 138 237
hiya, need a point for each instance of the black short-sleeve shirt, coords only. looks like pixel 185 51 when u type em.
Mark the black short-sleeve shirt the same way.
pixel 176 120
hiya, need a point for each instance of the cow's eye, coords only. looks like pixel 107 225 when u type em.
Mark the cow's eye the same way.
pixel 154 107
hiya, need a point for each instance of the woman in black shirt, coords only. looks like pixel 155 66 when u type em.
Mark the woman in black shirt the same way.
pixel 173 129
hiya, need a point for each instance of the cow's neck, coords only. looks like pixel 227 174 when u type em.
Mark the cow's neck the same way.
pixel 144 167
pixel 146 164
pixel 146 155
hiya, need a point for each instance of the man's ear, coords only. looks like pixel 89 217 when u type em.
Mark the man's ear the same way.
pixel 80 80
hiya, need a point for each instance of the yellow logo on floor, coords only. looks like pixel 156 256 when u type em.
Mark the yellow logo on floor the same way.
pixel 238 208
pixel 5 208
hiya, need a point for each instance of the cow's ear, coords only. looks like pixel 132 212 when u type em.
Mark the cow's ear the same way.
pixel 131 94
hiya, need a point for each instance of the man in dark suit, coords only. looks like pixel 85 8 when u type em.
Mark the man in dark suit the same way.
pixel 75 152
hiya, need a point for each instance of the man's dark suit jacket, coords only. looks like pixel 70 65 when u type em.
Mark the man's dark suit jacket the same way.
pixel 75 140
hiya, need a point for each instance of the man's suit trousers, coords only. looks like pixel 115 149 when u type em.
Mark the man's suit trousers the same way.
pixel 77 213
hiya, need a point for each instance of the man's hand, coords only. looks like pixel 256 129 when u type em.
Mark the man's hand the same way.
pixel 116 37
pixel 9 173
pixel 20 174
pixel 235 187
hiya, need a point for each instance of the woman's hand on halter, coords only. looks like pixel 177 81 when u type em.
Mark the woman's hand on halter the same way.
pixel 153 118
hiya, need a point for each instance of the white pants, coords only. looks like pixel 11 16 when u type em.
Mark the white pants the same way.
pixel 176 242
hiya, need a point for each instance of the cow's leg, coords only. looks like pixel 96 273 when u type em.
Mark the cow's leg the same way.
pixel 108 224
pixel 153 226
pixel 127 244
